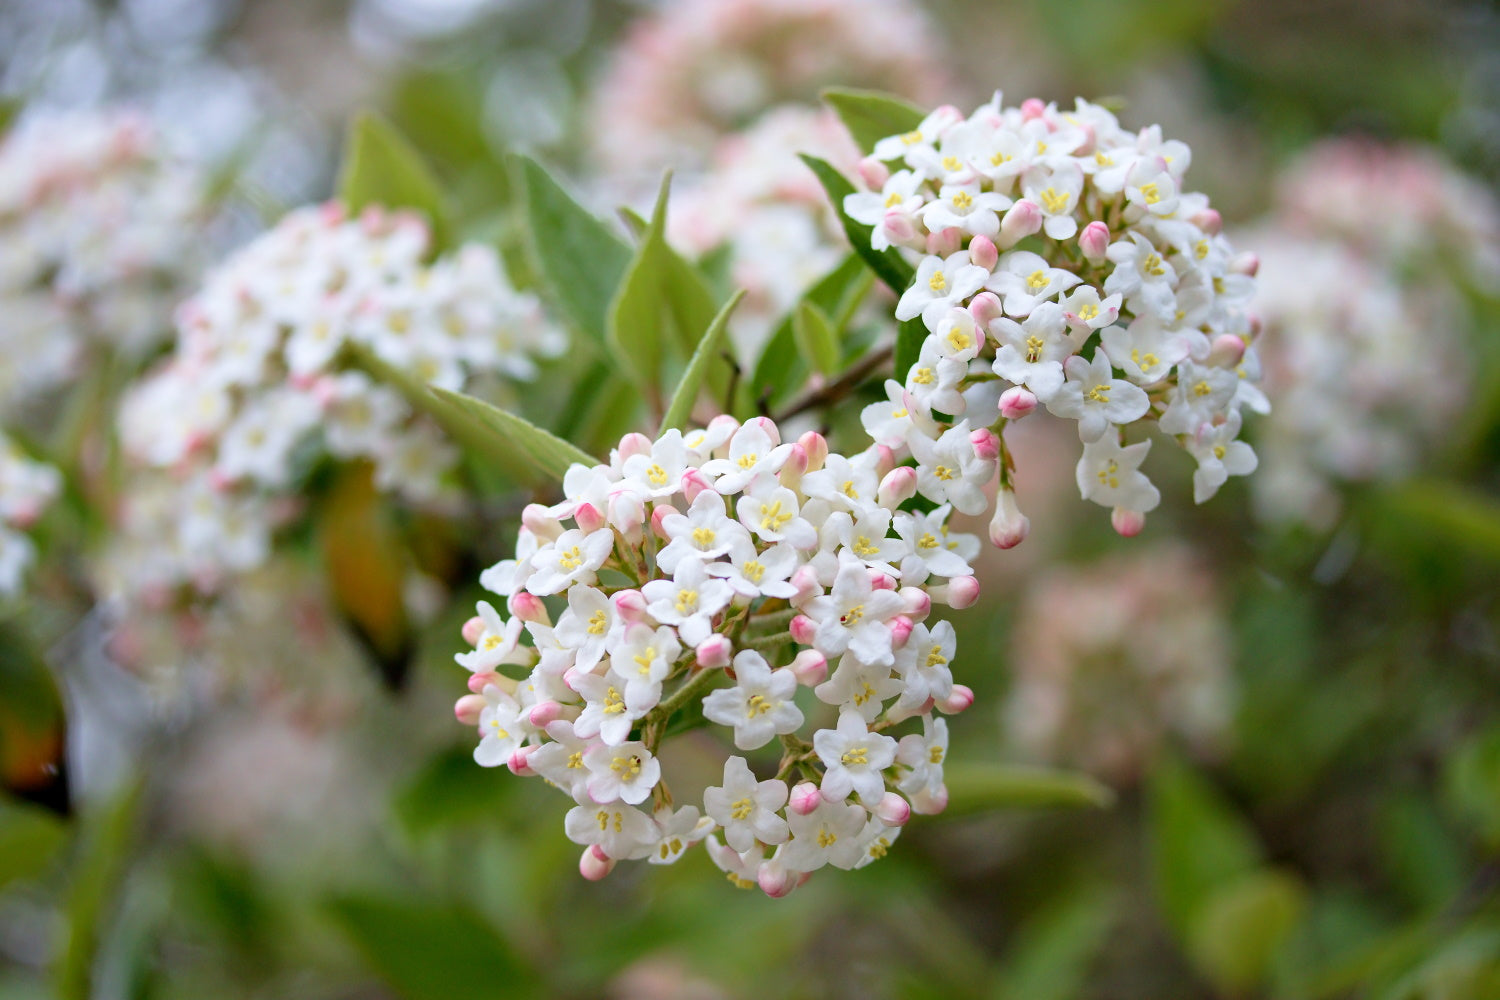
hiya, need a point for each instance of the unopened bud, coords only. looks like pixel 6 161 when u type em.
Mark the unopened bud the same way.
pixel 467 709
pixel 899 227
pixel 985 308
pixel 528 607
pixel 715 651
pixel 775 879
pixel 1094 242
pixel 881 581
pixel 1247 263
pixel 634 443
pixel 810 667
pixel 898 486
pixel 983 252
pixel 1128 523
pixel 1017 402
pixel 544 712
pixel 1227 351
pixel 959 593
pixel 805 579
pixel 873 172
pixel 588 518
pixel 945 242
pixel 926 803
pixel 473 629
pixel 520 761
pixel 693 483
pixel 803 629
pixel 885 460
pixel 804 798
pixel 658 514
pixel 918 603
pixel 1021 220
pixel 483 679
pixel 627 512
pixel 986 444
pixel 629 605
pixel 816 446
pixel 1033 107
pixel 1009 527
pixel 901 627
pixel 791 473
pixel 540 521
pixel 1208 220
pixel 892 810
pixel 594 866
pixel 960 698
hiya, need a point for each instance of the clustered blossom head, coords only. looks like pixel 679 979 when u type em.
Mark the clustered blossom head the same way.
pixel 1365 312
pixel 27 488
pixel 1061 262
pixel 99 233
pixel 253 392
pixel 762 203
pixel 700 69
pixel 725 570
pixel 1113 658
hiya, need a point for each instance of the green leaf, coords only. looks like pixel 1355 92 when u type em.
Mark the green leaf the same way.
pixel 1054 948
pixel 1466 519
pixel 1198 842
pixel 781 369
pixel 432 951
pixel 1472 784
pixel 816 338
pixel 910 336
pixel 30 837
pixel 451 789
pixel 887 264
pixel 107 836
pixel 974 788
pixel 513 435
pixel 870 115
pixel 581 260
pixel 681 405
pixel 381 168
pixel 1241 927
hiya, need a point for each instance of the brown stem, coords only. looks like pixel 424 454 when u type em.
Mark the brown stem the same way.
pixel 840 387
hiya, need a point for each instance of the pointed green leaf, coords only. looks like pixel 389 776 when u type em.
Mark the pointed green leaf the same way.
pixel 816 338
pixel 887 264
pixel 681 405
pixel 910 336
pixel 870 115
pixel 106 837
pixel 546 451
pixel 581 260
pixel 1055 947
pixel 1241 927
pixel 30 838
pixel 974 787
pixel 781 369
pixel 381 168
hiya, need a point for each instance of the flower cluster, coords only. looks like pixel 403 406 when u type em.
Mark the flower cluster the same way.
pixel 1112 657
pixel 1364 313
pixel 99 226
pixel 253 393
pixel 27 487
pixel 1062 263
pixel 722 571
pixel 700 69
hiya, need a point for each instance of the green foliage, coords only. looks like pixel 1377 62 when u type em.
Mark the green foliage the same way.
pixel 1053 950
pixel 1239 928
pixel 450 790
pixel 380 168
pixel 887 264
pixel 974 787
pixel 30 838
pixel 1198 843
pixel 681 405
pixel 816 338
pixel 782 368
pixel 107 835
pixel 1472 781
pixel 871 116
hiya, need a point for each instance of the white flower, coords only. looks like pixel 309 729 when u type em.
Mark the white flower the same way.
pixel 1095 398
pixel 854 758
pixel 931 551
pixel 1142 274
pixel 752 573
pixel 589 625
pixel 966 207
pixel 1202 393
pixel 864 536
pixel 560 760
pixel 1110 475
pixel 771 511
pixel 830 834
pixel 940 284
pixel 935 381
pixel 889 422
pixel 949 470
pixel 609 711
pixel 1032 353
pixel 859 687
pixel 923 665
pixel 853 615
pixel 676 832
pixel 689 600
pixel 643 659
pixel 502 729
pixel 704 533
pixel 621 832
pixel 497 644
pixel 748 810
pixel 1024 280
pixel 846 483
pixel 1056 192
pixel 759 707
pixel 924 756
pixel 1146 351
pixel 572 558
pixel 624 773
pixel 752 452
pixel 1219 456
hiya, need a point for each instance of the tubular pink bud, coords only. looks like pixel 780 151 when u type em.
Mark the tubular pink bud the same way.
pixel 810 667
pixel 816 446
pixel 544 712
pixel 1247 263
pixel 473 629
pixel 945 242
pixel 1227 351
pixel 627 512
pixel 657 515
pixel 467 709
pixel 960 698
pixel 1128 523
pixel 961 592
pixel 926 803
pixel 918 603
pixel 791 473
pixel 478 682
pixel 881 581
pixel 985 308
pixel 775 880
pixel 693 483
pixel 633 444
pixel 540 522
pixel 1032 107
pixel 767 425
pixel 986 444
pixel 805 579
pixel 804 798
pixel 588 518
pixel 898 486
pixel 983 252
pixel 898 227
pixel 803 629
pixel 529 608
pixel 1009 527
pixel 594 866
pixel 1021 220
pixel 901 627
pixel 885 460
pixel 893 810
pixel 1208 220
pixel 715 651
pixel 1017 402
pixel 520 762
pixel 874 173
pixel 1094 242
pixel 629 605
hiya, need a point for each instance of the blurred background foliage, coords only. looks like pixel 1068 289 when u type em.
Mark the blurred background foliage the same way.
pixel 1336 834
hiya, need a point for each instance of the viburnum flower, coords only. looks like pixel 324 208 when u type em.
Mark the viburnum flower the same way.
pixel 1106 292
pixel 728 636
pixel 27 489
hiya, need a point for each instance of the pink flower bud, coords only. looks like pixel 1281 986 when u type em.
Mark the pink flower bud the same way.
pixel 899 485
pixel 473 629
pixel 926 803
pixel 588 518
pixel 804 798
pixel 1032 107
pixel 892 810
pixel 1009 527
pixel 874 173
pixel 803 629
pixel 805 579
pixel 918 603
pixel 633 444
pixel 529 608
pixel 520 762
pixel 715 651
pixel 467 709
pixel 960 698
pixel 544 712
pixel 901 627
pixel 594 866
pixel 1094 242
pixel 483 679
pixel 1021 220
pixel 1245 263
pixel 1128 523
pixel 659 513
pixel 816 446
pixel 945 242
pixel 959 593
pixel 775 879
pixel 1017 402
pixel 985 308
pixel 881 581
pixel 810 667
pixel 898 227
pixel 540 521
pixel 1227 351
pixel 1208 220
pixel 325 390
pixel 791 473
pixel 986 444
pixel 983 252
pixel 767 426
pixel 629 605
pixel 693 483
pixel 885 460
pixel 627 512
